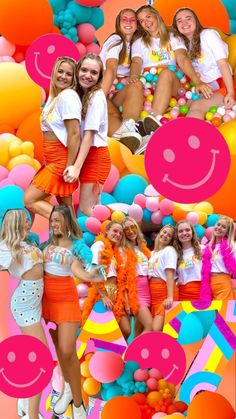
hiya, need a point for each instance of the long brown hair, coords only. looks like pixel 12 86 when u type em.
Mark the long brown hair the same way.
pixel 194 49
pixel 71 224
pixel 194 242
pixel 85 97
pixel 163 31
pixel 157 239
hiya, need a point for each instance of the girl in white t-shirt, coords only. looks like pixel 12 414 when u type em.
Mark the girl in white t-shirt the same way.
pixel 155 50
pixel 189 261
pixel 93 162
pixel 161 271
pixel 209 55
pixel 24 261
pixel 219 262
pixel 60 124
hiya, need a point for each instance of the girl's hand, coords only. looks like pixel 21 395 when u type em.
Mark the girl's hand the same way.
pixel 71 174
pixel 95 276
pixel 205 89
pixel 229 101
pixel 107 302
pixel 133 79
pixel 167 303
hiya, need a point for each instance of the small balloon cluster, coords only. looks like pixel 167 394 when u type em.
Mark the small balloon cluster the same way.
pixel 219 115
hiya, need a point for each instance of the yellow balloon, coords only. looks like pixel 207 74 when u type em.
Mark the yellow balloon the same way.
pixel 19 95
pixel 202 217
pixel 205 207
pixel 115 153
pixel 4 155
pixel 117 216
pixel 21 159
pixel 228 130
pixel 14 149
pixel 8 138
pixel 231 41
pixel 134 163
pixel 35 164
pixel 27 148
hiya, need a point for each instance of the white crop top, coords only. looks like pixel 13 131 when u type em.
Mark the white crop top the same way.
pixel 66 105
pixel 58 260
pixel 30 257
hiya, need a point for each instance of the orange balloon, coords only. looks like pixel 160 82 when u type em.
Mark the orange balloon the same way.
pixel 91 386
pixel 23 21
pixel 6 128
pixel 219 18
pixel 103 225
pixel 209 405
pixel 116 158
pixel 178 213
pixel 134 163
pixel 84 367
pixel 121 406
pixel 29 130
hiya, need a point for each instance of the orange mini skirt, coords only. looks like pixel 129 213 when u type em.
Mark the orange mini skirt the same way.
pixel 222 287
pixel 189 291
pixel 96 167
pixel 158 290
pixel 49 178
pixel 60 303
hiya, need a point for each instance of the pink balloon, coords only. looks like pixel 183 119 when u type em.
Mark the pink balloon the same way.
pixel 155 373
pixel 95 48
pixel 151 191
pixel 6 182
pixel 6 47
pixel 209 232
pixel 136 212
pixel 82 290
pixel 193 217
pixel 112 179
pixel 93 225
pixel 140 199
pixel 157 217
pixel 159 415
pixel 22 175
pixel 90 3
pixel 81 48
pixel 152 203
pixel 141 375
pixel 81 302
pixel 86 33
pixel 106 367
pixel 3 173
pixel 57 379
pixel 6 59
pixel 166 206
pixel 75 197
pixel 101 212
pixel 151 383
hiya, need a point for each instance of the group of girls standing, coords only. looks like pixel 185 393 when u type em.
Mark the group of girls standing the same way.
pixel 142 42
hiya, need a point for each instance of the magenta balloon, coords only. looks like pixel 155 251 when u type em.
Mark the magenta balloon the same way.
pixel 93 225
pixel 22 175
pixel 106 367
pixel 86 33
pixel 112 179
pixel 166 206
pixel 90 3
pixel 101 212
pixel 95 48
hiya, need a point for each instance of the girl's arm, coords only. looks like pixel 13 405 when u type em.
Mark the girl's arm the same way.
pixel 78 271
pixel 224 68
pixel 109 74
pixel 73 139
pixel 71 173
pixel 167 303
pixel 186 66
pixel 135 69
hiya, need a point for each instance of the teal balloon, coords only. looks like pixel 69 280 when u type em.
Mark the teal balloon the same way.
pixel 11 197
pixel 97 17
pixel 212 220
pixel 104 394
pixel 57 5
pixel 89 238
pixel 126 375
pixel 200 231
pixel 114 391
pixel 107 199
pixel 207 318
pixel 147 215
pixel 81 13
pixel 128 187
pixel 191 330
pixel 132 366
pixel 168 219
pixel 81 220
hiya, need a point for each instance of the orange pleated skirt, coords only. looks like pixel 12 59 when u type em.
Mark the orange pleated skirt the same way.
pixel 49 178
pixel 190 291
pixel 158 289
pixel 221 287
pixel 60 303
pixel 97 166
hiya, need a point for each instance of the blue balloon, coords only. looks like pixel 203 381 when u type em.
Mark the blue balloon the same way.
pixel 200 231
pixel 57 5
pixel 81 220
pixel 107 199
pixel 97 17
pixel 168 219
pixel 147 215
pixel 89 238
pixel 191 330
pixel 126 375
pixel 11 197
pixel 82 14
pixel 114 391
pixel 132 366
pixel 128 187
pixel 207 318
pixel 212 220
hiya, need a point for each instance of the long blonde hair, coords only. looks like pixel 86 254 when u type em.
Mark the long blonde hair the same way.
pixel 194 242
pixel 12 232
pixel 229 234
pixel 72 227
pixel 157 239
pixel 53 91
pixel 163 31
pixel 140 238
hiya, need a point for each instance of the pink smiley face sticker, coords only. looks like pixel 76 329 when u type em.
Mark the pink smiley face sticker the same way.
pixel 42 54
pixel 187 160
pixel 26 366
pixel 161 351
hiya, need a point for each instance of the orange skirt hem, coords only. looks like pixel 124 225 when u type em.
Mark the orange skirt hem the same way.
pixel 53 184
pixel 158 290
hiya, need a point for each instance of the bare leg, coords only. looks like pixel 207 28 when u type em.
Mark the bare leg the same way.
pixel 89 197
pixel 199 107
pixel 34 200
pixel 37 331
pixel 125 326
pixel 133 101
pixel 167 86
pixel 158 323
pixel 114 117
pixel 145 318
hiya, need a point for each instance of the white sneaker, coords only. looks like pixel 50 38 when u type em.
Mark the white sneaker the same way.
pixel 64 400
pixel 143 146
pixel 151 123
pixel 78 412
pixel 28 417
pixel 128 134
pixel 23 408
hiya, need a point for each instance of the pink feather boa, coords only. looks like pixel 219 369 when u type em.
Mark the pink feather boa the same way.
pixel 229 262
